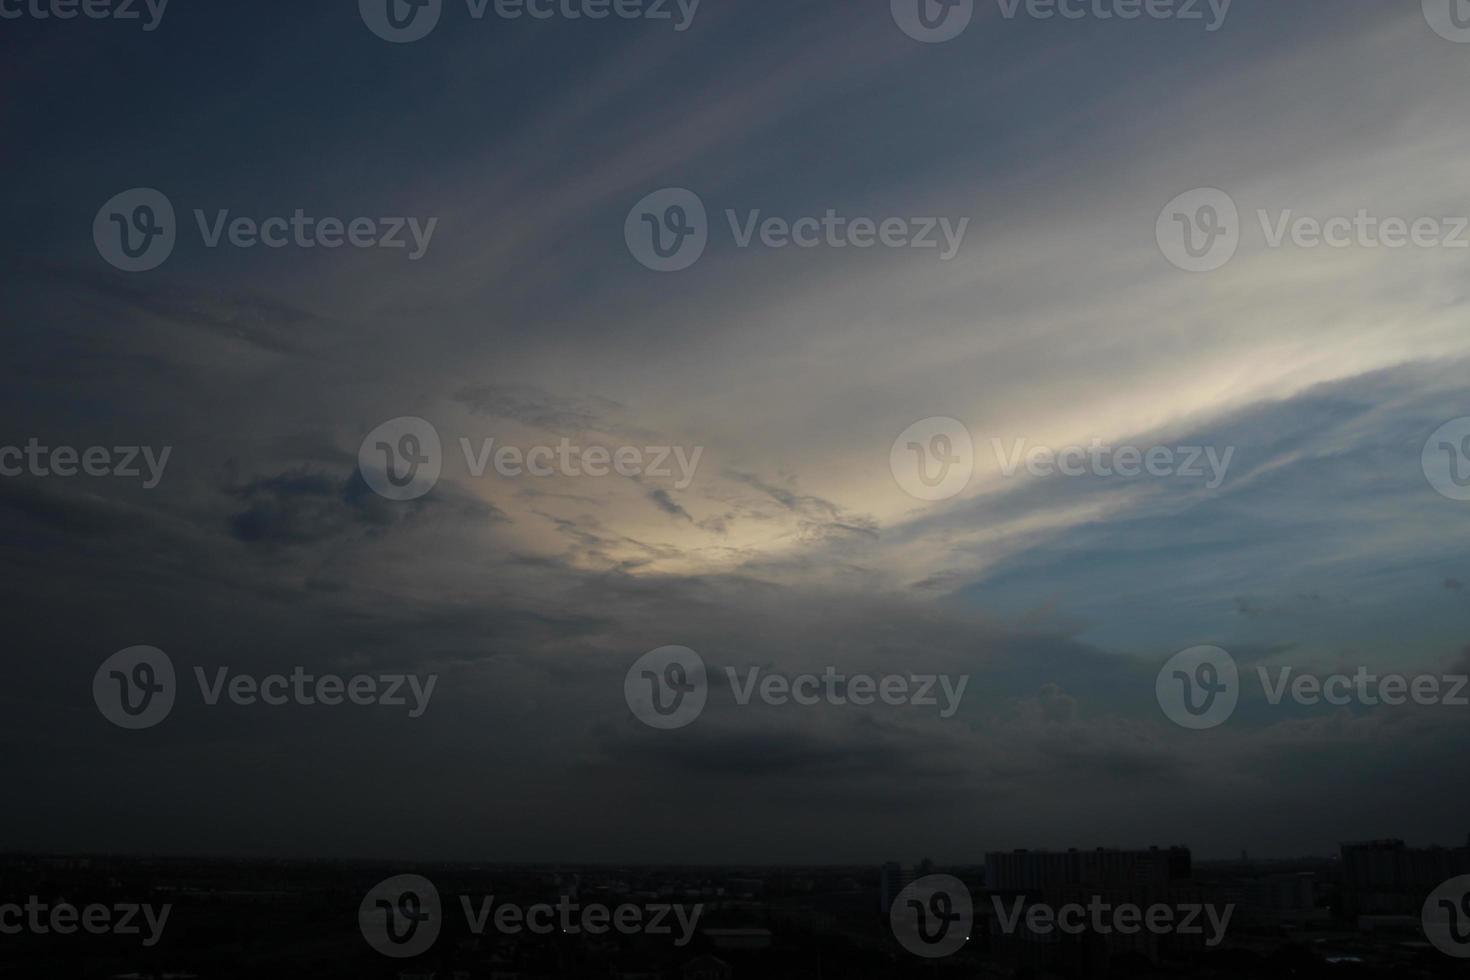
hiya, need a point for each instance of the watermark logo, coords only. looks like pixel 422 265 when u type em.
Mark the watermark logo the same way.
pixel 41 461
pixel 667 688
pixel 91 9
pixel 566 459
pixel 1449 18
pixel 401 459
pixel 1104 919
pixel 401 21
pixel 1199 231
pixel 1366 688
pixel 306 231
pixel 1181 10
pixel 1362 230
pixel 39 918
pixel 401 916
pixel 932 917
pixel 1199 688
pixel 404 21
pixel 933 21
pixel 1446 459
pixel 571 918
pixel 135 231
pixel 307 690
pixel 833 230
pixel 1447 918
pixel 840 690
pixel 1100 459
pixel 668 230
pixel 135 688
pixel 933 459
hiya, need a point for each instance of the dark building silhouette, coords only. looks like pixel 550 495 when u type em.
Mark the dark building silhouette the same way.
pixel 1020 879
pixel 1389 878
pixel 1102 868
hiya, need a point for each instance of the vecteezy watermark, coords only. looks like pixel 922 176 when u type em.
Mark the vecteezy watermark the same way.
pixel 402 916
pixel 403 458
pixel 571 917
pixel 137 230
pixel 1450 19
pixel 1211 12
pixel 935 21
pixel 1364 687
pixel 933 459
pixel 69 461
pixel 932 21
pixel 1104 918
pixel 840 690
pixel 932 917
pixel 1446 459
pixel 39 918
pixel 123 10
pixel 566 459
pixel 1200 230
pixel 1099 459
pixel 668 688
pixel 405 21
pixel 1447 918
pixel 302 688
pixel 1199 688
pixel 835 231
pixel 136 688
pixel 668 231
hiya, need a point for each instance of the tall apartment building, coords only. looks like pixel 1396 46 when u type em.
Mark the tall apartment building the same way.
pixel 1058 878
pixel 1108 870
pixel 1387 877
pixel 895 878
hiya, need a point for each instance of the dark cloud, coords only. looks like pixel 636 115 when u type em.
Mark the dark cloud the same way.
pixel 1058 600
pixel 249 318
pixel 1253 606
pixel 666 503
pixel 302 507
pixel 818 519
pixel 538 409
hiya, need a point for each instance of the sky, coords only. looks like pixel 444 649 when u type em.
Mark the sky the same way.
pixel 795 543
